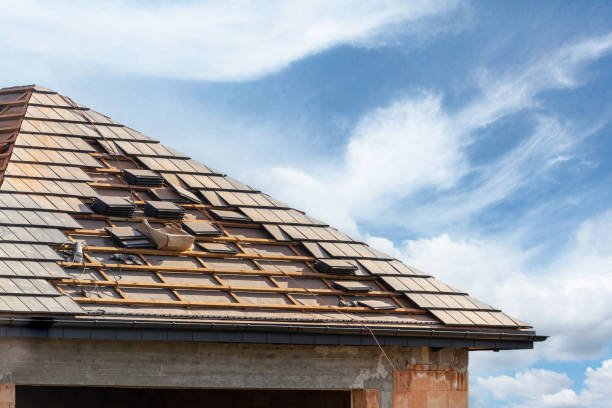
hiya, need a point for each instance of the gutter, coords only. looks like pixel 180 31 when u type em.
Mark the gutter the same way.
pixel 265 332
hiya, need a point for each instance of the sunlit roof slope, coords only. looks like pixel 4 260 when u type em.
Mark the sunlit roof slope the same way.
pixel 73 199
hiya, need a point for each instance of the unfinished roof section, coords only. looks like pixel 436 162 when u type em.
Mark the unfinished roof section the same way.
pixel 78 187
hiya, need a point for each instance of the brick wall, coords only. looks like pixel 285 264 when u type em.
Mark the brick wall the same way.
pixel 430 386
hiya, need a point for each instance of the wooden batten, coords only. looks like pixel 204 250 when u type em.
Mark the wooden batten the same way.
pixel 201 254
pixel 244 305
pixel 253 272
pixel 155 285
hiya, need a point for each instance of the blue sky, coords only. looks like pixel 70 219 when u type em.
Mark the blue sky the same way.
pixel 471 139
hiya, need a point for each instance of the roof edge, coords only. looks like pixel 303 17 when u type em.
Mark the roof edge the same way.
pixel 237 332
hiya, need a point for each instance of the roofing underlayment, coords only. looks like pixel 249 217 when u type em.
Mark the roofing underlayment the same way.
pixel 77 186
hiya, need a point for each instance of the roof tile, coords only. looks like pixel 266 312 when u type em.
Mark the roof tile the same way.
pixel 254 258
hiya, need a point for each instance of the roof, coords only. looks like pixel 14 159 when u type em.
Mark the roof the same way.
pixel 76 186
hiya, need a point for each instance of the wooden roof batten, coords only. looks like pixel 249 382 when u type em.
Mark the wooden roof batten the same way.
pixel 268 252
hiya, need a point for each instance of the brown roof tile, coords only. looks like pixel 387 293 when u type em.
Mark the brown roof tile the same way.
pixel 254 259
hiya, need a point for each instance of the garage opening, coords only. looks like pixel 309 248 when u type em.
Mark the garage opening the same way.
pixel 102 397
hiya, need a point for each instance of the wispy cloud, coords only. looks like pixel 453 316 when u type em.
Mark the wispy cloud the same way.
pixel 416 145
pixel 534 156
pixel 213 40
pixel 503 93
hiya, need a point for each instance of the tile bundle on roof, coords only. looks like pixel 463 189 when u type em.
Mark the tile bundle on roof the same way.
pixel 146 178
pixel 199 228
pixel 130 237
pixel 163 209
pixel 350 286
pixel 335 267
pixel 231 216
pixel 113 206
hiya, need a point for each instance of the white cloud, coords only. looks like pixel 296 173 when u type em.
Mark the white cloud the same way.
pixel 599 380
pixel 390 141
pixel 536 388
pixel 415 145
pixel 527 383
pixel 381 148
pixel 569 299
pixel 212 40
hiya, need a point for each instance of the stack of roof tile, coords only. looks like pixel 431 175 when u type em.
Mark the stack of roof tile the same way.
pixel 335 267
pixel 113 206
pixel 130 237
pixel 200 229
pixel 146 178
pixel 164 210
pixel 231 216
pixel 351 286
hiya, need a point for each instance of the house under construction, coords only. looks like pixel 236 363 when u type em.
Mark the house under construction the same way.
pixel 133 275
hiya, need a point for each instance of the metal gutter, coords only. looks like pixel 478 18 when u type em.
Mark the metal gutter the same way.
pixel 272 333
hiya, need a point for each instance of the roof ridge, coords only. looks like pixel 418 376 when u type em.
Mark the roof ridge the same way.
pixel 39 88
pixel 35 87
pixel 11 88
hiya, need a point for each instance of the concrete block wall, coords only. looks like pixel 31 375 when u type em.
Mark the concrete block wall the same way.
pixel 439 375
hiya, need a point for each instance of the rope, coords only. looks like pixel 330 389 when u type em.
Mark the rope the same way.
pixel 360 322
